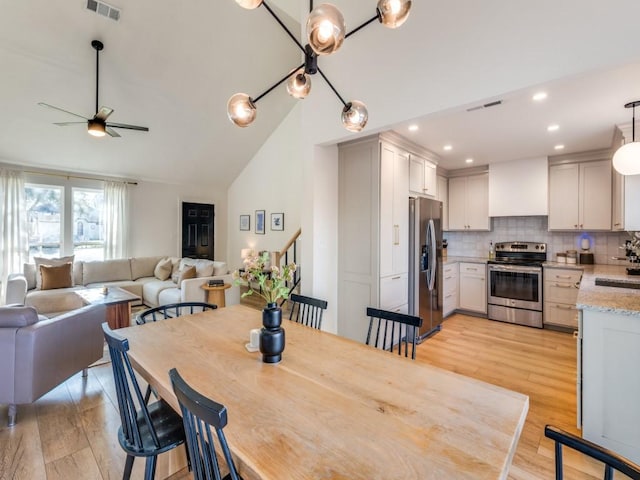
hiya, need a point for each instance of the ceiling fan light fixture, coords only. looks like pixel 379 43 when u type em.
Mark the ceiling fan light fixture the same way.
pixel 355 116
pixel 393 13
pixel 249 4
pixel 326 29
pixel 241 110
pixel 96 128
pixel 626 160
pixel 299 84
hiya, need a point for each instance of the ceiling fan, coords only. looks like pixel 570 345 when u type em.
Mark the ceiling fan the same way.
pixel 98 125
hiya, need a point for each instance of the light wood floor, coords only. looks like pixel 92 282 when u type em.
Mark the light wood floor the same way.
pixel 70 433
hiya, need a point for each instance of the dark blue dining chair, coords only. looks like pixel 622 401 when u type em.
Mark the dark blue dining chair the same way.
pixel 307 310
pixel 200 414
pixel 146 430
pixel 392 330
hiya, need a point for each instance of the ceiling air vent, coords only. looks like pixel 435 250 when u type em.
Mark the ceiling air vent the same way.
pixel 486 105
pixel 104 9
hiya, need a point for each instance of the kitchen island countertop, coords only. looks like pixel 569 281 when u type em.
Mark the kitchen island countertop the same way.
pixel 625 301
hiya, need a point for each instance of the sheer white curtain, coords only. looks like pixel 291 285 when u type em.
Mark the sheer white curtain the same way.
pixel 14 243
pixel 116 220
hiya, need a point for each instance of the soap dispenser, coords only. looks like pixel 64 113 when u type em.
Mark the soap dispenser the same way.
pixel 492 254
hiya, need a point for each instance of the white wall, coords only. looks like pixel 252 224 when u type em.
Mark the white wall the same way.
pixel 156 218
pixel 272 182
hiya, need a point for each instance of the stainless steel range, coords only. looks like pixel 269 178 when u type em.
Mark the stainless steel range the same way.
pixel 515 283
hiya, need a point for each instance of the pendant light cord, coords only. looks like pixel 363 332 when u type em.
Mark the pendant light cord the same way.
pixel 633 124
pixel 97 76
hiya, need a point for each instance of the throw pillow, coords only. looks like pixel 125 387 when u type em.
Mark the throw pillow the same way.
pixel 163 269
pixel 50 262
pixel 188 272
pixel 219 268
pixel 58 276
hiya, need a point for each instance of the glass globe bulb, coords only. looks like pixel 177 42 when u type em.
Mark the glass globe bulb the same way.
pixel 299 84
pixel 249 4
pixel 325 29
pixel 393 13
pixel 626 160
pixel 241 110
pixel 355 116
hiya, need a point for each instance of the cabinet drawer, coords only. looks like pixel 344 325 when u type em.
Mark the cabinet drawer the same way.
pixel 560 292
pixel 449 303
pixel 560 314
pixel 476 269
pixel 394 291
pixel 559 275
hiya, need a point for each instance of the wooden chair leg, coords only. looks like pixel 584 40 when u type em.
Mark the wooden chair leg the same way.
pixel 128 466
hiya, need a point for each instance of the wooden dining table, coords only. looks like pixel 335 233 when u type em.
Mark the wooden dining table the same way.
pixel 332 408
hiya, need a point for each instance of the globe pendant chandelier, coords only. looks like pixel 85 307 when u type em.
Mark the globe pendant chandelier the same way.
pixel 326 31
pixel 626 160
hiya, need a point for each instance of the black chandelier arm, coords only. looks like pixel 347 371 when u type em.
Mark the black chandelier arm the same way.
pixel 268 90
pixel 360 27
pixel 283 26
pixel 332 87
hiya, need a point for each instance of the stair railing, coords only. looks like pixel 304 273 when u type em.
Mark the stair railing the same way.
pixel 288 254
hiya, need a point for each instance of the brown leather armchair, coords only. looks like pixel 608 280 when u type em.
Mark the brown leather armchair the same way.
pixel 37 353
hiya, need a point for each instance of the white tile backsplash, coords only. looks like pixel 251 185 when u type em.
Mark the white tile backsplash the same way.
pixel 604 245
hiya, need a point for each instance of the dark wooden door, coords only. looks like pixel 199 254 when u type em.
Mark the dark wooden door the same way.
pixel 197 230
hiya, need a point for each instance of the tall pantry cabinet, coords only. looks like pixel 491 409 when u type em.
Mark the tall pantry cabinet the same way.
pixel 373 231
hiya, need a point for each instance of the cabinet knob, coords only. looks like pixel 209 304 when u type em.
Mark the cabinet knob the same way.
pixel 575 226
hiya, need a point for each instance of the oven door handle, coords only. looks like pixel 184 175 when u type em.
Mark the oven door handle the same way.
pixel 510 268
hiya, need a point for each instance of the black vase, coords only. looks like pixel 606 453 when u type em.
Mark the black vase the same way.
pixel 272 334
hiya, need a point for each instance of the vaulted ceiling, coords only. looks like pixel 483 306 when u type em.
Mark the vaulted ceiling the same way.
pixel 172 66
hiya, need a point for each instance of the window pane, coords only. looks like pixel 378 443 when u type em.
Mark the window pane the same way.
pixel 44 214
pixel 88 225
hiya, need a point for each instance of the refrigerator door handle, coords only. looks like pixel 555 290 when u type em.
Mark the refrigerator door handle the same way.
pixel 431 233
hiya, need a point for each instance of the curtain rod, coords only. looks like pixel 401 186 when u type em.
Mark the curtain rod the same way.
pixel 68 176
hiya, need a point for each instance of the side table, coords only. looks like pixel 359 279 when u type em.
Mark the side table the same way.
pixel 215 294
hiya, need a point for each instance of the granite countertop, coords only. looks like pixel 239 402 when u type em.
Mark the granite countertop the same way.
pixel 570 266
pixel 625 301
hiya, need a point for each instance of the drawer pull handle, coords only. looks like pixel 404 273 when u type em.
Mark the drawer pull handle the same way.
pixel 469 269
pixel 563 276
pixel 563 285
pixel 448 278
pixel 449 296
pixel 564 307
pixel 396 278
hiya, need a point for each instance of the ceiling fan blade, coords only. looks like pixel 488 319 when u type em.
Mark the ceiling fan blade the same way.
pixel 42 104
pixel 111 132
pixel 103 113
pixel 65 124
pixel 129 127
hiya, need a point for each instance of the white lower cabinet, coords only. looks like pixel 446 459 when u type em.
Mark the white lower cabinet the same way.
pixel 394 292
pixel 560 295
pixel 449 289
pixel 473 287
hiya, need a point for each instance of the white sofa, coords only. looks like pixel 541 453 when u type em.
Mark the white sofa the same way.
pixel 133 274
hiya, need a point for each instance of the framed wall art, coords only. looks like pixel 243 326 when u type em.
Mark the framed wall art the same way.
pixel 245 222
pixel 260 222
pixel 277 221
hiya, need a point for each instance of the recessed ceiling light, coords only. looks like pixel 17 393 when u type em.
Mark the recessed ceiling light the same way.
pixel 553 127
pixel 538 97
pixel 469 160
pixel 447 147
pixel 559 147
pixel 413 128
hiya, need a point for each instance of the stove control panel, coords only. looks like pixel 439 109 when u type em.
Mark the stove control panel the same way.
pixel 523 247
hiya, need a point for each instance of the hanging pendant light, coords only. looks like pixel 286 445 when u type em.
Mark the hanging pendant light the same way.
pixel 241 110
pixel 299 84
pixel 393 13
pixel 355 116
pixel 249 4
pixel 626 160
pixel 326 31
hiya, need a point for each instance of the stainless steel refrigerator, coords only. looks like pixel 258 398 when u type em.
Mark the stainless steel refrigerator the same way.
pixel 425 264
